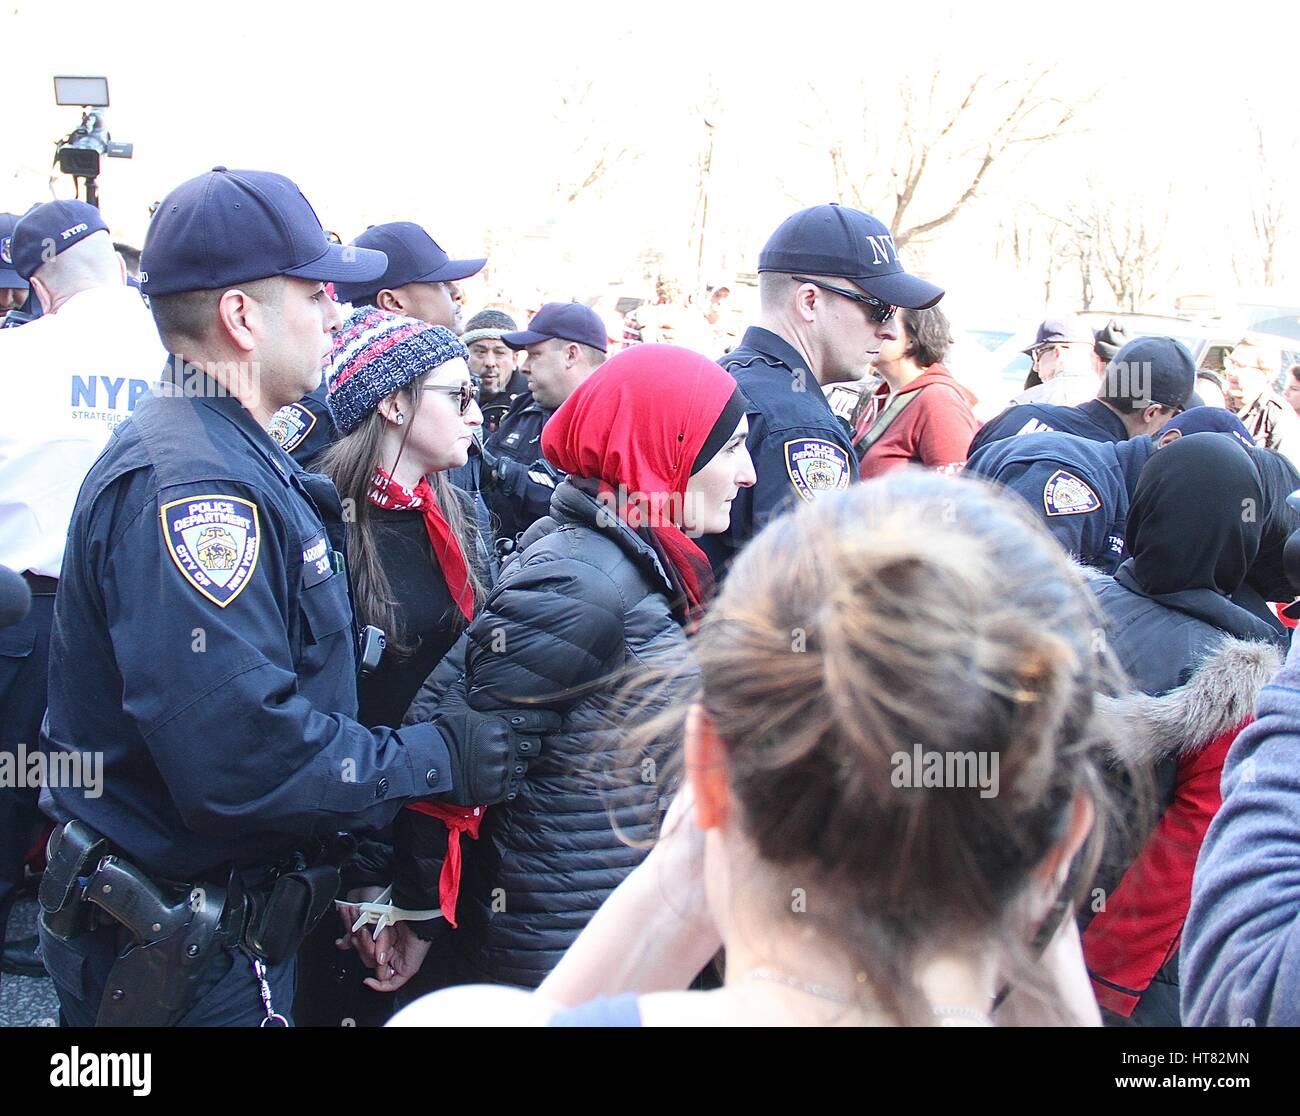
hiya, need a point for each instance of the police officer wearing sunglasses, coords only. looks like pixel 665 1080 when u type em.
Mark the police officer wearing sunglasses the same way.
pixel 830 281
pixel 204 648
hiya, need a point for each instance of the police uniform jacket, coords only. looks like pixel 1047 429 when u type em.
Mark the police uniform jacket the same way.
pixel 798 445
pixel 203 643
pixel 1079 488
pixel 519 494
pixel 305 429
pixel 1092 420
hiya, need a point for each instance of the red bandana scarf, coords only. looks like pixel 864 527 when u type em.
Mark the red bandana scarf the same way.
pixel 387 493
pixel 636 425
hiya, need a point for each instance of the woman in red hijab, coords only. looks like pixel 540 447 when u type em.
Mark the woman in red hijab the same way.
pixel 654 445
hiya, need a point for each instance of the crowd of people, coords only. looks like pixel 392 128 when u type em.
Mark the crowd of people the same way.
pixel 438 670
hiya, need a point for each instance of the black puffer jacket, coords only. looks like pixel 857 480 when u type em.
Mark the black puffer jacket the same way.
pixel 586 598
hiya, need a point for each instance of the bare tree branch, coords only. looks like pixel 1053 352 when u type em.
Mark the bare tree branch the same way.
pixel 934 154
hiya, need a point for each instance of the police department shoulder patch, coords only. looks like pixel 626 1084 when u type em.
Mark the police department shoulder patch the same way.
pixel 213 539
pixel 290 425
pixel 816 466
pixel 1066 494
pixel 6 254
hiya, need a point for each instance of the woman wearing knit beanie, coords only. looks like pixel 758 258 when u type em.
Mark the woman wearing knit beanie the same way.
pixel 401 395
pixel 654 445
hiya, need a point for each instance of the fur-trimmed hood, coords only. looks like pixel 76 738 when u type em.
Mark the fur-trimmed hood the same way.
pixel 1219 696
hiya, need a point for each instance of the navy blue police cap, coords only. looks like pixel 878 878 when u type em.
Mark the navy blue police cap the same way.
pixel 1060 331
pixel 50 228
pixel 413 257
pixel 839 241
pixel 1213 420
pixel 563 321
pixel 228 227
pixel 9 278
pixel 1153 370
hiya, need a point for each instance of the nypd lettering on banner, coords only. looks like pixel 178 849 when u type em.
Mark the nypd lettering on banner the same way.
pixel 816 466
pixel 1066 494
pixel 290 425
pixel 214 542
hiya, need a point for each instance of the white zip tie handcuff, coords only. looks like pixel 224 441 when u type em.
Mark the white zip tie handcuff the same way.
pixel 382 913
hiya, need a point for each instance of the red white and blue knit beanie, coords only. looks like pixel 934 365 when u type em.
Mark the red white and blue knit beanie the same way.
pixel 377 353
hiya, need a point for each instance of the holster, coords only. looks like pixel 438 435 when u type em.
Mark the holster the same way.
pixel 72 854
pixel 275 923
pixel 152 983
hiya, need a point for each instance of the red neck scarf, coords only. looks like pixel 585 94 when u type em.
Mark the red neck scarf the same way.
pixel 458 820
pixel 636 426
pixel 387 493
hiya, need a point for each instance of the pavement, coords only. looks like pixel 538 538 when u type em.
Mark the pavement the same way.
pixel 26 1001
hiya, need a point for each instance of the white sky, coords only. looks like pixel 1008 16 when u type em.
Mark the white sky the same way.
pixel 453 118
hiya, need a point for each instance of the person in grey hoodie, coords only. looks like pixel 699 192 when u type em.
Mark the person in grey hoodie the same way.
pixel 1240 963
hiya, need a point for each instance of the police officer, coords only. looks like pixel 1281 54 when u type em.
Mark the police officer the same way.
pixel 419 280
pixel 13 287
pixel 70 377
pixel 1081 488
pixel 565 342
pixel 830 280
pixel 1150 380
pixel 1078 487
pixel 205 650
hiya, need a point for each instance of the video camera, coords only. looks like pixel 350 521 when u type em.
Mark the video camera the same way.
pixel 79 152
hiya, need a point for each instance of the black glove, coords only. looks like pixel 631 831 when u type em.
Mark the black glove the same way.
pixel 490 752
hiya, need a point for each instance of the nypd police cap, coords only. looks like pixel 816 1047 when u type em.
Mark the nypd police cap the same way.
pixel 1152 370
pixel 229 227
pixel 839 241
pixel 46 230
pixel 413 257
pixel 563 321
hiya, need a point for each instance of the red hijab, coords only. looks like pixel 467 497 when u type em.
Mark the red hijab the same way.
pixel 636 425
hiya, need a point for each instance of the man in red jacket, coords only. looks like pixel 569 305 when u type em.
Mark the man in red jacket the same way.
pixel 922 414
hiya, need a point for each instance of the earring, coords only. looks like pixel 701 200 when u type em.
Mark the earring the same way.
pixel 401 418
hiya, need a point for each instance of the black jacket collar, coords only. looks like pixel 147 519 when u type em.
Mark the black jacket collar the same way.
pixel 773 345
pixel 575 501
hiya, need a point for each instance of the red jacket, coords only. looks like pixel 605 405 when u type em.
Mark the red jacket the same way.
pixel 1139 925
pixel 935 428
pixel 1128 942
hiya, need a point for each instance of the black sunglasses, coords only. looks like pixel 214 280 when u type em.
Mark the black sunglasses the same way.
pixel 465 393
pixel 881 312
